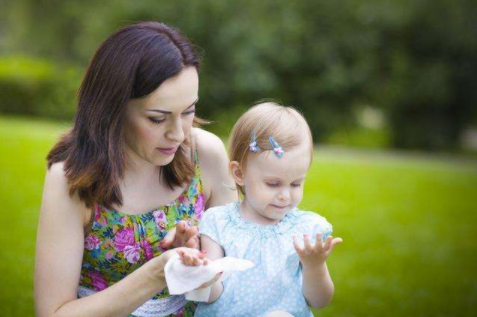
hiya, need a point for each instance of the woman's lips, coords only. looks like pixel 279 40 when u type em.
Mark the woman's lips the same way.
pixel 169 150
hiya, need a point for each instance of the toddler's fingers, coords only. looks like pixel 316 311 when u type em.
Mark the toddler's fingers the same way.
pixel 184 258
pixel 327 243
pixel 181 254
pixel 189 259
pixel 319 242
pixel 196 261
pixel 307 244
pixel 335 242
pixel 298 248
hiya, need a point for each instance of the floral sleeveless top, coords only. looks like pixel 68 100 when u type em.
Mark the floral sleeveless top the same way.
pixel 119 243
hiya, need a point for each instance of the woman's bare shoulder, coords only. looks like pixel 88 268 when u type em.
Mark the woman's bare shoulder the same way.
pixel 56 171
pixel 56 180
pixel 210 148
pixel 204 137
pixel 56 193
pixel 214 163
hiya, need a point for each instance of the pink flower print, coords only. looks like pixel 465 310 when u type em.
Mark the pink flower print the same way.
pixel 180 313
pixel 147 249
pixel 109 255
pixel 199 206
pixel 131 253
pixel 92 242
pixel 98 282
pixel 99 217
pixel 184 200
pixel 123 238
pixel 160 219
pixel 97 212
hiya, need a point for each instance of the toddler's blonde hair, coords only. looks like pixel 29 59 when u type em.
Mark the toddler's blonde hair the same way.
pixel 285 124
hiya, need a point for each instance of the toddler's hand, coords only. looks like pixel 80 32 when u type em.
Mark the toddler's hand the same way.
pixel 192 257
pixel 317 254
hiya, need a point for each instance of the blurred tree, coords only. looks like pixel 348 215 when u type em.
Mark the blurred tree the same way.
pixel 414 59
pixel 426 73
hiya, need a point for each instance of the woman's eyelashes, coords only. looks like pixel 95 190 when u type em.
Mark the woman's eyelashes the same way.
pixel 156 121
pixel 161 120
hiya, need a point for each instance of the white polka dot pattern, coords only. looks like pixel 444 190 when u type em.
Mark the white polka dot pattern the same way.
pixel 275 282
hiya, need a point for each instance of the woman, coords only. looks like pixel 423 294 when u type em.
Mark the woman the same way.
pixel 133 166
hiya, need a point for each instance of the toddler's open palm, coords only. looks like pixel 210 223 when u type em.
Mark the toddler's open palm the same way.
pixel 315 254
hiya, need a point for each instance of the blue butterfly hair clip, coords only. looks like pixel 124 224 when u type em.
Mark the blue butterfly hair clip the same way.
pixel 253 147
pixel 276 147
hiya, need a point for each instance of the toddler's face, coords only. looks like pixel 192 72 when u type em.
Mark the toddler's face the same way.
pixel 272 185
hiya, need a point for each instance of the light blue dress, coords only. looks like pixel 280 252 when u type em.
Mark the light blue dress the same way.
pixel 275 282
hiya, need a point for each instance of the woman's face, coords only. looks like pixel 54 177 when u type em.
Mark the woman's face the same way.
pixel 157 124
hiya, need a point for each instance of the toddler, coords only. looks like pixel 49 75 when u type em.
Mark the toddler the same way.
pixel 271 150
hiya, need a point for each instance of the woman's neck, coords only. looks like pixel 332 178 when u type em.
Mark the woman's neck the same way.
pixel 139 171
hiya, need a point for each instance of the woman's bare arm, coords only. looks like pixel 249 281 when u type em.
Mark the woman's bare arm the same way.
pixel 59 252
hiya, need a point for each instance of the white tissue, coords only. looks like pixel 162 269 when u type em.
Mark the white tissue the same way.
pixel 182 279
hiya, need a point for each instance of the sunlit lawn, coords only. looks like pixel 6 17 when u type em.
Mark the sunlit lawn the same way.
pixel 408 223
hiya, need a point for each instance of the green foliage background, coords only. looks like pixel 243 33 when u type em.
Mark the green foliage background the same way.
pixel 414 61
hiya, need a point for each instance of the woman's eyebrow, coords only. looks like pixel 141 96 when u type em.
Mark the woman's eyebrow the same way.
pixel 168 112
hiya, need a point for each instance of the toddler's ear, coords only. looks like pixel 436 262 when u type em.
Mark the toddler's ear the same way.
pixel 236 172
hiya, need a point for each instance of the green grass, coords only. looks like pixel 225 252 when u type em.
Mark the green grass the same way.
pixel 407 220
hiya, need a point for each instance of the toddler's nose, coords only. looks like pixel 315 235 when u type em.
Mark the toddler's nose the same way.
pixel 284 195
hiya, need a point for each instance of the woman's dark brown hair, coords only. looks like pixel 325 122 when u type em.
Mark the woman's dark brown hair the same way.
pixel 131 63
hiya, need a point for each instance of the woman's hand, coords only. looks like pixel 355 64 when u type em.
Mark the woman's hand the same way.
pixel 183 235
pixel 315 255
